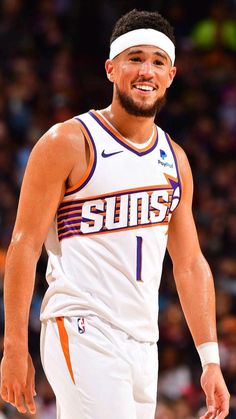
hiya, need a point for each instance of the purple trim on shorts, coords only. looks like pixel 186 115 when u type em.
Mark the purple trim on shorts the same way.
pixel 139 153
pixel 94 162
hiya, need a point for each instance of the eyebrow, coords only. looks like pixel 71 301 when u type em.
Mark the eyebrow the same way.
pixel 140 51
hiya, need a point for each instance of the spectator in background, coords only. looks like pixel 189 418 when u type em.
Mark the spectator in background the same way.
pixel 216 31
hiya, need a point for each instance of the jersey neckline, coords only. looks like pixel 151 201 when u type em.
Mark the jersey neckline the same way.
pixel 122 140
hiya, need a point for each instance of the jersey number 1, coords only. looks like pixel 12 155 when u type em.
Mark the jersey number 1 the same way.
pixel 139 258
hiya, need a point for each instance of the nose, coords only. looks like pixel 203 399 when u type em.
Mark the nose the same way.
pixel 146 69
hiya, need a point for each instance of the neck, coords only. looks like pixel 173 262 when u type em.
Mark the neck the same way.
pixel 136 129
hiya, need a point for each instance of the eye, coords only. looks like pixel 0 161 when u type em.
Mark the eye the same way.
pixel 158 62
pixel 135 59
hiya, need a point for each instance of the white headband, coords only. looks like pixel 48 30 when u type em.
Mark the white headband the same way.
pixel 143 37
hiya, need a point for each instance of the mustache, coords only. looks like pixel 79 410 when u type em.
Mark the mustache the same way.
pixel 143 80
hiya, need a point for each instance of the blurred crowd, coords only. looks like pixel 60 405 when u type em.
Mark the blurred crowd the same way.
pixel 52 56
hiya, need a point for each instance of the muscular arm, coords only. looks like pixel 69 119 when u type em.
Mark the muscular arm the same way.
pixel 195 288
pixel 52 161
pixel 192 274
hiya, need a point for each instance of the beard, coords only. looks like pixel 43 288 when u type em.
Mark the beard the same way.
pixel 137 109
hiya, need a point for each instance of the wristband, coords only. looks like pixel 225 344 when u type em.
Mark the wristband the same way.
pixel 209 353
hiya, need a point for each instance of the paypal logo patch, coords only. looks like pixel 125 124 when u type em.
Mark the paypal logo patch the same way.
pixel 163 154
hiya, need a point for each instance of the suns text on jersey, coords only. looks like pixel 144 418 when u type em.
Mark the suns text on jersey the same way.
pixel 121 210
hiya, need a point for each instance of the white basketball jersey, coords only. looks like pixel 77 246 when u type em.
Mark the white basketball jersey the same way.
pixel 108 242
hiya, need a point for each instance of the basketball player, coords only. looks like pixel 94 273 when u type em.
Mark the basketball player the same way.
pixel 107 191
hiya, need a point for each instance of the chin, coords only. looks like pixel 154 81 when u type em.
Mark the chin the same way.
pixel 141 108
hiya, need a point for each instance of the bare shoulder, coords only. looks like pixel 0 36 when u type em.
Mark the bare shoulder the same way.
pixel 59 150
pixel 65 135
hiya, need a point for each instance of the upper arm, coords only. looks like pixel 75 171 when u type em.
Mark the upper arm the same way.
pixel 183 244
pixel 50 163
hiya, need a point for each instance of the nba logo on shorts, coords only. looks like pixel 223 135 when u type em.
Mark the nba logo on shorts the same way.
pixel 81 325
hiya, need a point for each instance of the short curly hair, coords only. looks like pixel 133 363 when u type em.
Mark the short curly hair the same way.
pixel 142 19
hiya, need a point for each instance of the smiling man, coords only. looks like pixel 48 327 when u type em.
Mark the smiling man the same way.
pixel 108 191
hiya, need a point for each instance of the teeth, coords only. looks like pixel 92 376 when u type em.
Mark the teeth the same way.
pixel 144 87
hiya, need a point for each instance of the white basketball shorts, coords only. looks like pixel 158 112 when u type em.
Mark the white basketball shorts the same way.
pixel 98 371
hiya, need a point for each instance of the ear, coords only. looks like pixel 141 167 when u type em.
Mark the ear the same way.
pixel 109 67
pixel 172 74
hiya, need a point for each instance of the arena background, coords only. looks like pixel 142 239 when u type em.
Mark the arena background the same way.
pixel 52 67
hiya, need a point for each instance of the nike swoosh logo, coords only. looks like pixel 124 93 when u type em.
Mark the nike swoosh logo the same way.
pixel 104 154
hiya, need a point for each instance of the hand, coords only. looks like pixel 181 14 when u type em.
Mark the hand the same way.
pixel 17 382
pixel 217 395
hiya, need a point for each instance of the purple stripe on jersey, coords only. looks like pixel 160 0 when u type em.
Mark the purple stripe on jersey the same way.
pixel 139 153
pixel 176 165
pixel 66 229
pixel 77 215
pixel 76 221
pixel 75 205
pixel 77 208
pixel 94 162
pixel 68 203
pixel 69 216
pixel 69 222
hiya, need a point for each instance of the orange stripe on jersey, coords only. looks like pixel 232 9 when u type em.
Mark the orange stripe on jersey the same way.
pixel 79 205
pixel 65 344
pixel 62 218
pixel 116 133
pixel 74 225
pixel 70 212
pixel 91 161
